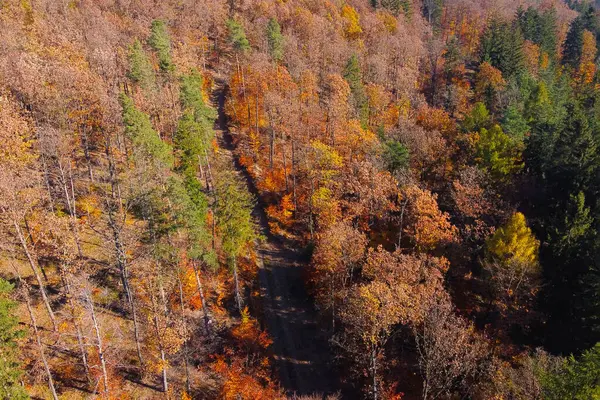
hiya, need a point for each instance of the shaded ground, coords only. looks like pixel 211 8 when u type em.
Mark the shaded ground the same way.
pixel 300 353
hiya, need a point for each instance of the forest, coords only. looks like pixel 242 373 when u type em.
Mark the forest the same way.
pixel 299 199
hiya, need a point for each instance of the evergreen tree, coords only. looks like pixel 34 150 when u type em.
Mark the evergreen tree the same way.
pixel 140 69
pixel 192 99
pixel 189 210
pixel 190 142
pixel 478 118
pixel 548 32
pixel 539 28
pixel 515 124
pixel 234 219
pixel 353 75
pixel 237 36
pixel 147 144
pixel 502 46
pixel 161 43
pixel 573 43
pixel 395 156
pixel 10 369
pixel 544 114
pixel 194 131
pixel 575 160
pixel 497 153
pixel 577 379
pixel 569 259
pixel 275 40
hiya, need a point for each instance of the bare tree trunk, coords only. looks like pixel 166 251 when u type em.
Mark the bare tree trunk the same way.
pixel 161 347
pixel 271 143
pixel 99 345
pixel 256 112
pixel 241 72
pixel 285 173
pixel 401 223
pixel 86 152
pixel 47 182
pixel 202 299
pixel 210 174
pixel 75 319
pixel 293 171
pixel 120 251
pixel 188 385
pixel 310 210
pixel 74 213
pixel 374 370
pixel 39 341
pixel 163 297
pixel 36 273
pixel 238 297
pixel 70 200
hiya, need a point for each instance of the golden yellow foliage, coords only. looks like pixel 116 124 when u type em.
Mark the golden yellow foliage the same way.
pixel 514 242
pixel 352 28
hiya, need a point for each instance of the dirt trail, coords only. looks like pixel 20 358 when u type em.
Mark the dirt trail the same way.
pixel 300 353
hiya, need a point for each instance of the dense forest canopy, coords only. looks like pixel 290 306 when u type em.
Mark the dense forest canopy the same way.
pixel 270 199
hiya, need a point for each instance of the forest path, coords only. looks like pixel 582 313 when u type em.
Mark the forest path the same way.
pixel 300 352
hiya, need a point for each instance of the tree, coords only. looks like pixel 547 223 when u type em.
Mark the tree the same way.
pixel 336 260
pixel 353 75
pixel 140 69
pixel 512 262
pixel 352 27
pixel 235 223
pixel 577 379
pixel 395 155
pixel 426 225
pixel 160 42
pixel 488 85
pixel 237 36
pixel 515 124
pixel 148 146
pixel 20 190
pixel 433 9
pixel 587 65
pixel 573 43
pixel 275 40
pixel 10 366
pixel 369 314
pixel 395 284
pixel 502 46
pixel 539 28
pixel 514 243
pixel 497 153
pixel 194 131
pixel 478 118
pixel 572 275
pixel 452 357
pixel 525 380
pixel 575 161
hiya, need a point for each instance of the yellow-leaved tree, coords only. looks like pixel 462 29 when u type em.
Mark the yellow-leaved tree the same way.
pixel 352 27
pixel 512 261
pixel 514 243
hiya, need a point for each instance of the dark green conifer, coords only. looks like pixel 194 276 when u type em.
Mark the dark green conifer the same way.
pixel 140 69
pixel 353 76
pixel 161 43
pixel 275 40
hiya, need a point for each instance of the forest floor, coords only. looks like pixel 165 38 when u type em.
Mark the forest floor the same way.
pixel 300 351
